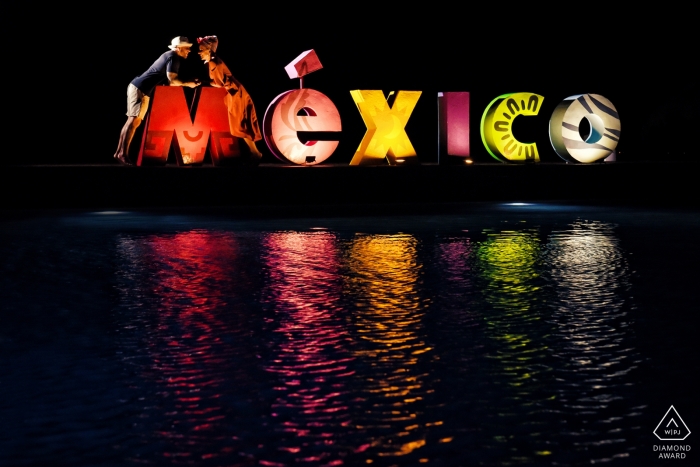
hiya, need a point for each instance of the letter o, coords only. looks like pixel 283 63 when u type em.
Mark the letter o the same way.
pixel 564 128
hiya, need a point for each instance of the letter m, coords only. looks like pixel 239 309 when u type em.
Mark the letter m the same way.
pixel 169 116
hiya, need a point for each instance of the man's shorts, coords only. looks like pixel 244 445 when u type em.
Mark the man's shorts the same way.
pixel 136 102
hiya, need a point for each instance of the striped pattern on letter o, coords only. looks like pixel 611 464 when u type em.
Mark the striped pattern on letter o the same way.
pixel 564 128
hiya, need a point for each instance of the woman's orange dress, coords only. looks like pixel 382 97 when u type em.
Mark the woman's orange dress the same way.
pixel 242 119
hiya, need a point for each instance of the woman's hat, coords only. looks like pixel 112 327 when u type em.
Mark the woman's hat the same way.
pixel 210 42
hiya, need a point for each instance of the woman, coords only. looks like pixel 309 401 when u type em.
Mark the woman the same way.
pixel 242 119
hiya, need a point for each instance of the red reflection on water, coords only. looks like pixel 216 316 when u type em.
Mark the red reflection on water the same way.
pixel 187 277
pixel 310 359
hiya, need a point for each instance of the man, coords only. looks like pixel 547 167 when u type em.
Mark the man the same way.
pixel 141 87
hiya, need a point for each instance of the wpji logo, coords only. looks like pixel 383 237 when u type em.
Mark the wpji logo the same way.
pixel 672 427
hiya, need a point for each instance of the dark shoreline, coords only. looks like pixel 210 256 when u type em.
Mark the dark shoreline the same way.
pixel 339 189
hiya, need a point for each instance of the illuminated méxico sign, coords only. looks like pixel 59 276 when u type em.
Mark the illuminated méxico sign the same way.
pixel 310 111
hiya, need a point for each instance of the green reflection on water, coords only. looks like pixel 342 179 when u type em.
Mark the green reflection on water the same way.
pixel 509 264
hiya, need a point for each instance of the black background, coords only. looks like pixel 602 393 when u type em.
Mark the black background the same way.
pixel 642 61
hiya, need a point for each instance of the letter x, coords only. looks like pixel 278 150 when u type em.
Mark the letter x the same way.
pixel 386 135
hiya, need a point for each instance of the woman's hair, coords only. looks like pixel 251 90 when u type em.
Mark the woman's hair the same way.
pixel 210 42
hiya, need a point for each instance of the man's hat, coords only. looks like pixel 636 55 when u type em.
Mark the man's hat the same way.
pixel 179 41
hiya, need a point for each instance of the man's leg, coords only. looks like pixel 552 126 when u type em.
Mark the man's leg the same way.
pixel 125 137
pixel 136 107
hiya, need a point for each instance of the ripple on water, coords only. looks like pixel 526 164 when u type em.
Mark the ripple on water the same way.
pixel 324 347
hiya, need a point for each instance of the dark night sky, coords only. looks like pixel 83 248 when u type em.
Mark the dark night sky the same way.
pixel 639 61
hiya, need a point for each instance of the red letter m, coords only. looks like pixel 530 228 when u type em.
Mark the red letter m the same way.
pixel 169 115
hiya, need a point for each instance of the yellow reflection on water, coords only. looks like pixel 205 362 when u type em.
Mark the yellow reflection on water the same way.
pixel 383 275
pixel 508 262
pixel 556 315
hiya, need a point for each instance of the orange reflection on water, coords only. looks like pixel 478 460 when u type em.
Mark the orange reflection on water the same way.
pixel 310 353
pixel 383 273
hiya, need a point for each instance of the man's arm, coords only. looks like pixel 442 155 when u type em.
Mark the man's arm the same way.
pixel 175 81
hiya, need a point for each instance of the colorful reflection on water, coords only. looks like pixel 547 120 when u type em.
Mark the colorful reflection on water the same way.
pixel 382 277
pixel 309 351
pixel 175 292
pixel 590 280
pixel 323 347
pixel 510 275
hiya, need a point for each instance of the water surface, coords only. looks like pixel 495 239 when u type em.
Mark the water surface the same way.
pixel 498 335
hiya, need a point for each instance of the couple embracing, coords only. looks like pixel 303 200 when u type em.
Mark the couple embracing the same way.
pixel 243 121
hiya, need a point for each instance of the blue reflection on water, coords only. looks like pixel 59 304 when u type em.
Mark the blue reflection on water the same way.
pixel 503 335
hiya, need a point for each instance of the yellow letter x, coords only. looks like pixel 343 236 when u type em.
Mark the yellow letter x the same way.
pixel 386 136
